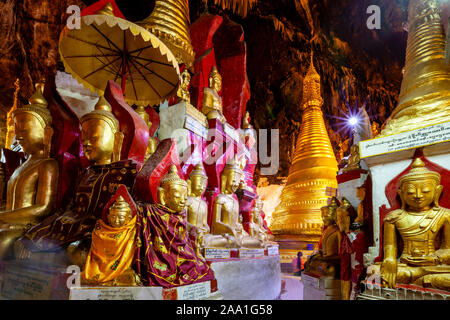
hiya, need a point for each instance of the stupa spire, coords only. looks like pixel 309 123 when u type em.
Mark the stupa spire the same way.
pixel 425 93
pixel 297 220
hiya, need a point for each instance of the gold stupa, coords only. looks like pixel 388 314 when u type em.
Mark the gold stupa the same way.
pixel 169 21
pixel 425 93
pixel 297 219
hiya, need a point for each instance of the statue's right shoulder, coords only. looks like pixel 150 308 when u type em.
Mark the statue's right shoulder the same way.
pixel 394 216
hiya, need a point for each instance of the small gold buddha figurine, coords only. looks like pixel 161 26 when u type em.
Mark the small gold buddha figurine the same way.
pixel 197 208
pixel 425 259
pixel 246 121
pixel 353 159
pixel 225 218
pixel 257 229
pixel 112 250
pixel 212 102
pixel 375 129
pixel 244 239
pixel 183 90
pixel 325 260
pixel 32 188
pixel 152 142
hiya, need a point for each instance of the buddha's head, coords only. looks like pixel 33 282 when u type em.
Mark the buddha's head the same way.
pixel 119 214
pixel 230 177
pixel 215 79
pixel 420 189
pixel 32 124
pixel 173 191
pixel 197 181
pixel 100 135
pixel 329 212
pixel 344 215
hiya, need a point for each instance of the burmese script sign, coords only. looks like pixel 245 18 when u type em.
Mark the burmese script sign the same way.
pixel 116 293
pixel 251 253
pixel 22 284
pixel 195 126
pixel 406 140
pixel 272 251
pixel 212 253
pixel 194 291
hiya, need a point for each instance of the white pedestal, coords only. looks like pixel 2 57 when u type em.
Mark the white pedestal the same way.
pixel 249 279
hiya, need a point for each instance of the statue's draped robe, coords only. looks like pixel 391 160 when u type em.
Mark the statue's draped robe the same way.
pixel 112 252
pixel 166 256
pixel 97 184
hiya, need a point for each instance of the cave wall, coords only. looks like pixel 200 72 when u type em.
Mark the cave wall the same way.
pixel 28 45
pixel 358 66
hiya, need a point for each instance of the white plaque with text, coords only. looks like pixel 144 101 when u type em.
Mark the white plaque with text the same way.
pixel 405 140
pixel 231 132
pixel 251 253
pixel 194 291
pixel 196 127
pixel 272 251
pixel 116 293
pixel 212 253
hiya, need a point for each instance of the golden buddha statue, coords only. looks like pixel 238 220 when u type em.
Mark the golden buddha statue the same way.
pixel 101 138
pixel 244 239
pixel 32 188
pixel 212 102
pixel 257 229
pixel 112 250
pixel 183 90
pixel 325 260
pixel 225 217
pixel 68 229
pixel 197 208
pixel 425 259
pixel 167 256
pixel 353 159
pixel 152 142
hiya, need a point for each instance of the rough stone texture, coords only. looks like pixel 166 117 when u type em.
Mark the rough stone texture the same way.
pixel 357 65
pixel 249 279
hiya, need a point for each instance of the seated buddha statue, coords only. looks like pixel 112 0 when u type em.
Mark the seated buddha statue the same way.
pixel 112 249
pixel 257 229
pixel 183 90
pixel 326 260
pixel 225 217
pixel 70 228
pixel 424 227
pixel 166 256
pixel 32 188
pixel 197 209
pixel 244 239
pixel 212 102
pixel 353 159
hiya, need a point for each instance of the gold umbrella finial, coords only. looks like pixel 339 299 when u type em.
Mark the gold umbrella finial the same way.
pixel 107 10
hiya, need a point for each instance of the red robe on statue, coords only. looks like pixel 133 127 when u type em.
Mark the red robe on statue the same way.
pixel 166 256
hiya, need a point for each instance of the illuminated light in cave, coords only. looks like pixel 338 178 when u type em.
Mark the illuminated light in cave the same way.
pixel 353 121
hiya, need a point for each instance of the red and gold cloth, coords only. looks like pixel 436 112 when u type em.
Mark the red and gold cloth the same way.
pixel 166 256
pixel 97 184
pixel 112 252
